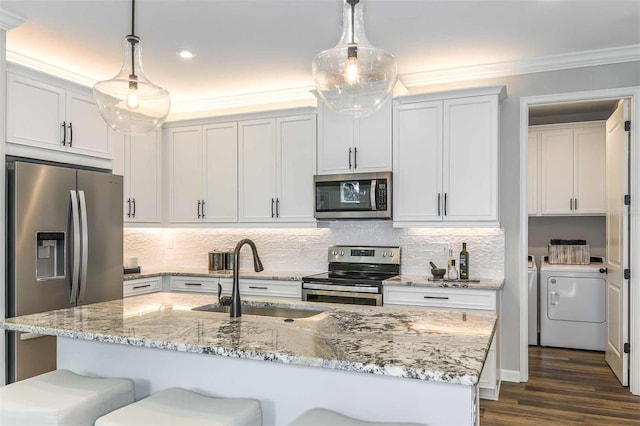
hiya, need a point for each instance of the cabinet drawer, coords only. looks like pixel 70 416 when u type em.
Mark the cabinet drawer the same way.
pixel 197 284
pixel 271 288
pixel 141 286
pixel 484 300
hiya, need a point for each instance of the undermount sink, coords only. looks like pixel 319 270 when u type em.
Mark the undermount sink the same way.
pixel 265 311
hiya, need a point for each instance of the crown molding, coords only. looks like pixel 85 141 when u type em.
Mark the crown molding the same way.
pixel 47 68
pixel 9 21
pixel 542 64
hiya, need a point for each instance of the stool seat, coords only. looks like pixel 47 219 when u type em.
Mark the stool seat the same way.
pixel 62 398
pixel 178 406
pixel 323 417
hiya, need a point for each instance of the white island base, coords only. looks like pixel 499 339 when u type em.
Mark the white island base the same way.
pixel 285 390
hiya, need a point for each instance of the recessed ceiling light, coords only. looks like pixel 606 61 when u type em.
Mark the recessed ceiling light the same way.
pixel 185 54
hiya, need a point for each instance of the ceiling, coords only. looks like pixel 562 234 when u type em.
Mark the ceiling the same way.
pixel 260 51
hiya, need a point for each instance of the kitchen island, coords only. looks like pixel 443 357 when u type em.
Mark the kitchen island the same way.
pixel 373 363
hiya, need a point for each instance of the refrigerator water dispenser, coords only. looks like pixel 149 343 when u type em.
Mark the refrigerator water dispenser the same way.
pixel 50 255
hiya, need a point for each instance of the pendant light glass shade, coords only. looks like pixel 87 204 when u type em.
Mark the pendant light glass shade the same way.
pixel 129 102
pixel 354 77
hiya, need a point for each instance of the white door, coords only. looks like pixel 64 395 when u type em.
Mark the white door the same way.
pixel 221 176
pixel 470 159
pixel 185 174
pixel 296 166
pixel 589 170
pixel 30 101
pixel 87 132
pixel 335 141
pixel 144 178
pixel 532 174
pixel 617 245
pixel 372 147
pixel 417 162
pixel 556 172
pixel 257 172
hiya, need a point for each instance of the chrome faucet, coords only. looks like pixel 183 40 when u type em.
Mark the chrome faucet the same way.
pixel 235 310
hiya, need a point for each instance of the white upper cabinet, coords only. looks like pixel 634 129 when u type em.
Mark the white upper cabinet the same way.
pixel 67 119
pixel 277 164
pixel 185 173
pixel 142 178
pixel 445 157
pixel 221 177
pixel 351 145
pixel 571 168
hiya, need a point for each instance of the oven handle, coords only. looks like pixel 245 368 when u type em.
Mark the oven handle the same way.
pixel 376 297
pixel 343 288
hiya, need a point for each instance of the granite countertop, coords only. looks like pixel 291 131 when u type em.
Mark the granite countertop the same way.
pixel 204 272
pixel 432 345
pixel 423 281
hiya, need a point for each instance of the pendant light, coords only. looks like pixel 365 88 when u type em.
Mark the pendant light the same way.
pixel 129 102
pixel 354 77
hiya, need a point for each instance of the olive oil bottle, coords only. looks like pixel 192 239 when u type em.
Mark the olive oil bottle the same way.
pixel 464 263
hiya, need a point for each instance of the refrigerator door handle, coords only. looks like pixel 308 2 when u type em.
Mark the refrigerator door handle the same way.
pixel 85 245
pixel 75 274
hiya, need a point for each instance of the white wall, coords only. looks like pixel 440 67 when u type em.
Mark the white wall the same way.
pixel 535 84
pixel 305 249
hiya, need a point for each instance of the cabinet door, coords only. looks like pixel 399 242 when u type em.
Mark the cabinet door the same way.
pixel 143 168
pixel 372 146
pixel 87 132
pixel 257 181
pixel 335 141
pixel 417 162
pixel 589 170
pixel 532 175
pixel 185 173
pixel 470 159
pixel 296 166
pixel 556 172
pixel 35 112
pixel 221 176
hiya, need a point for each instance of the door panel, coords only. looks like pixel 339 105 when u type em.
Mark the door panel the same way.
pixel 103 194
pixel 144 177
pixel 617 242
pixel 335 138
pixel 372 136
pixel 221 180
pixel 89 133
pixel 556 173
pixel 185 173
pixel 589 170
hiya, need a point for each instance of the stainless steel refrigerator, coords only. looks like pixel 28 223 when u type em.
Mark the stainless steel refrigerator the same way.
pixel 64 249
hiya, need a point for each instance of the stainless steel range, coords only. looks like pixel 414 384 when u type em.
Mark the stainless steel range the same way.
pixel 355 275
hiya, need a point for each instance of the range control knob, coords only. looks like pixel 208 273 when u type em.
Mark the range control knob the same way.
pixel 341 252
pixel 335 252
pixel 384 254
pixel 391 254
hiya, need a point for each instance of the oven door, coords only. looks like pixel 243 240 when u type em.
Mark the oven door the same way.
pixel 344 297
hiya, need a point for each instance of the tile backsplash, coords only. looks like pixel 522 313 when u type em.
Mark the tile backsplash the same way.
pixel 305 249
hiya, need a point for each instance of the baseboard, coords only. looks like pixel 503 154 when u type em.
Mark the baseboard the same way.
pixel 510 375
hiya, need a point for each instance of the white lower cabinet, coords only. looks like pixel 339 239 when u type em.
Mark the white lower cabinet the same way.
pixel 249 287
pixel 482 301
pixel 195 284
pixel 141 286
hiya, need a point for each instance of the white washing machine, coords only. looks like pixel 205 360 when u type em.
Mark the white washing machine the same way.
pixel 573 306
pixel 534 327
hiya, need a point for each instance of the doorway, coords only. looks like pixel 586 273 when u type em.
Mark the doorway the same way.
pixel 554 110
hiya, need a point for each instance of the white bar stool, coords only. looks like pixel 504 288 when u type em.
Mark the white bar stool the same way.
pixel 323 417
pixel 62 398
pixel 177 406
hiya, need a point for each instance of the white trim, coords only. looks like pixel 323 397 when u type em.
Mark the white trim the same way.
pixel 542 64
pixel 47 68
pixel 634 334
pixel 510 376
pixel 9 21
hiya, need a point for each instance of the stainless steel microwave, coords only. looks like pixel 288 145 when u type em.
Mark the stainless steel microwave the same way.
pixel 353 196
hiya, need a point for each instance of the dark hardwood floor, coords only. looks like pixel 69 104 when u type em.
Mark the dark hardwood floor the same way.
pixel 565 387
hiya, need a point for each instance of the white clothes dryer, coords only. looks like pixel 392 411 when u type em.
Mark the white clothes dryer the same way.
pixel 533 301
pixel 573 306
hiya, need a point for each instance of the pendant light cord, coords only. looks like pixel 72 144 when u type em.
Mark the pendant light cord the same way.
pixel 133 17
pixel 353 18
pixel 132 38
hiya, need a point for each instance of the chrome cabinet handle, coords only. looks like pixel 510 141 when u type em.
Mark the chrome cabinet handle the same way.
pixel 64 133
pixel 202 208
pixel 439 212
pixel 199 215
pixel 349 157
pixel 355 158
pixel 70 134
pixel 277 207
pixel 272 213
